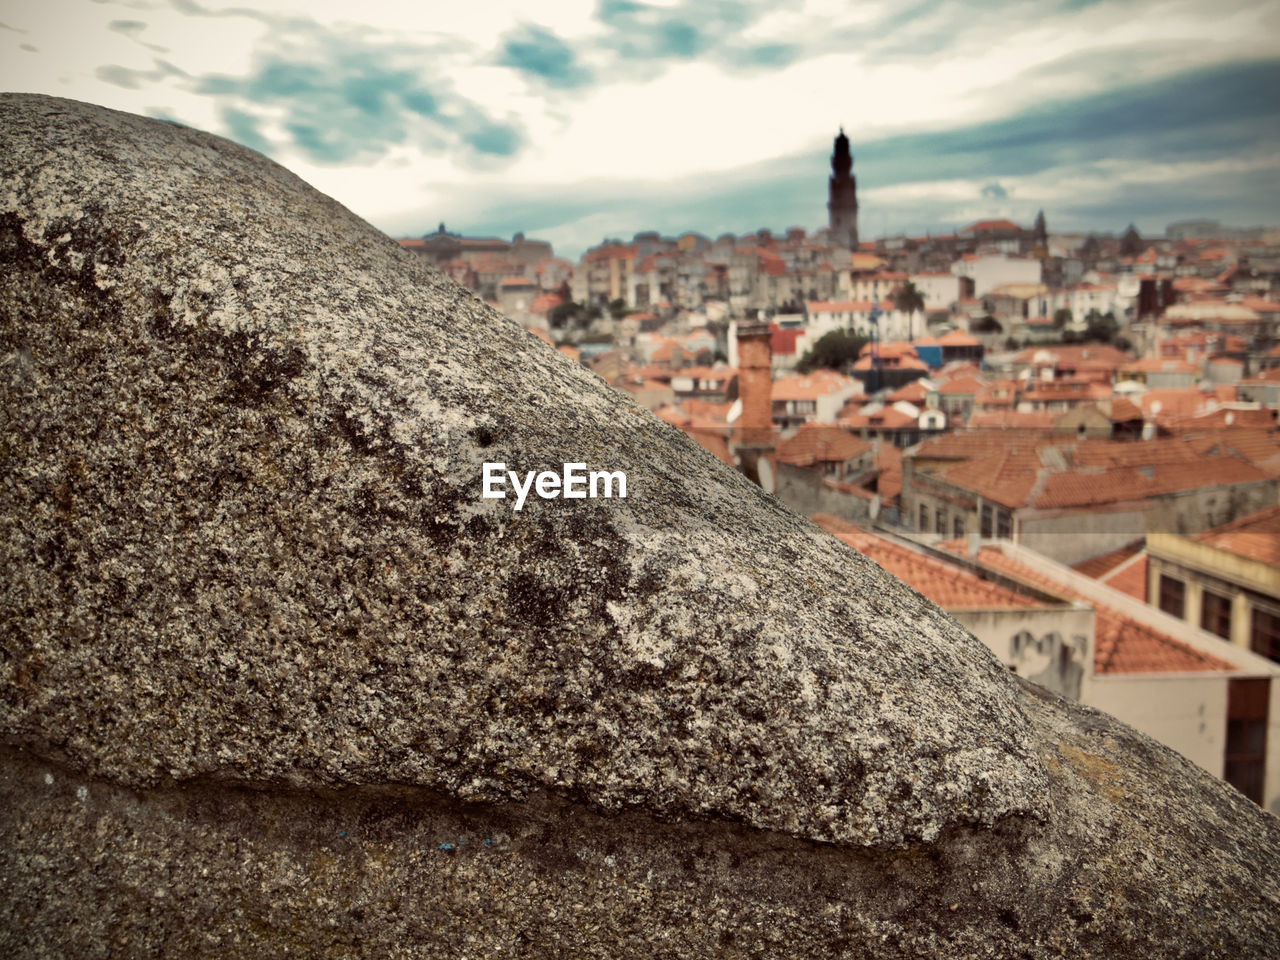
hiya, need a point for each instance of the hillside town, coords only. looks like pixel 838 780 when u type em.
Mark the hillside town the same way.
pixel 1066 440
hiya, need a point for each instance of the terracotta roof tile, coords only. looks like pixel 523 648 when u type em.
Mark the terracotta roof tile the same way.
pixel 1005 419
pixel 886 418
pixel 913 392
pixel 810 386
pixel 1122 484
pixel 1099 566
pixel 1066 389
pixel 1123 409
pixel 1130 578
pixel 1163 403
pixel 949 586
pixel 1255 537
pixel 957 338
pixel 820 443
pixel 545 301
pixel 966 444
pixel 1047 474
pixel 1121 644
pixel 1260 446
pixel 989 225
pixel 1260 304
pixel 888 460
pixel 961 386
pixel 892 362
pixel 708 409
pixel 1007 478
pixel 1124 569
pixel 890 348
pixel 783 342
pixel 719 374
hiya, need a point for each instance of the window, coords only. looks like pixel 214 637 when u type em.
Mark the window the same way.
pixel 1246 753
pixel 924 517
pixel 1264 633
pixel 1003 524
pixel 957 527
pixel 1215 613
pixel 1173 596
pixel 988 525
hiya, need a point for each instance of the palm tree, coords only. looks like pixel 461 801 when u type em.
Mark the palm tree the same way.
pixel 908 298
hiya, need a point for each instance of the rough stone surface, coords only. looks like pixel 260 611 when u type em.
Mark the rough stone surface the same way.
pixel 275 676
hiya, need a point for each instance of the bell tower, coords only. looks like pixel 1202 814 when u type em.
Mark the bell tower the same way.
pixel 842 203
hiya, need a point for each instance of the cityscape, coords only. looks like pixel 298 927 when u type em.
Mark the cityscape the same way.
pixel 1068 440
pixel 640 479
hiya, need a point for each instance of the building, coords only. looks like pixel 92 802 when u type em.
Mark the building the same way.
pixel 941 290
pixel 817 396
pixel 1035 633
pixel 1076 499
pixel 1212 702
pixel 955 397
pixel 1226 580
pixel 988 272
pixel 1215 703
pixel 831 451
pixel 1004 235
pixel 842 203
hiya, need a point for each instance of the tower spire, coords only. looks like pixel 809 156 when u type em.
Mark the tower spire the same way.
pixel 842 202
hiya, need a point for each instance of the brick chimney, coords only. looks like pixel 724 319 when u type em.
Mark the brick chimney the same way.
pixel 753 437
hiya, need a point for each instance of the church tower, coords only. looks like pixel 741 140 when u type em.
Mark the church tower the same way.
pixel 842 206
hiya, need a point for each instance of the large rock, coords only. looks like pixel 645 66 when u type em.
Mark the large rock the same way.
pixel 276 677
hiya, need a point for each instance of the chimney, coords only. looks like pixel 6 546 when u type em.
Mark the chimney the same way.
pixel 754 425
pixel 751 444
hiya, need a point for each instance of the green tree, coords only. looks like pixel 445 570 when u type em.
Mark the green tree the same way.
pixel 618 308
pixel 1102 327
pixel 565 314
pixel 1061 317
pixel 834 350
pixel 986 324
pixel 909 300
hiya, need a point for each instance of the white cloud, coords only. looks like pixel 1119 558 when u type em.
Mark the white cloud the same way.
pixel 950 66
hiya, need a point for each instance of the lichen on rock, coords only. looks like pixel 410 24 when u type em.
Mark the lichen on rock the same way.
pixel 277 554
pixel 246 549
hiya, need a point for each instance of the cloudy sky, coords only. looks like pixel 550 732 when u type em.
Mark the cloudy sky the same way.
pixel 574 120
